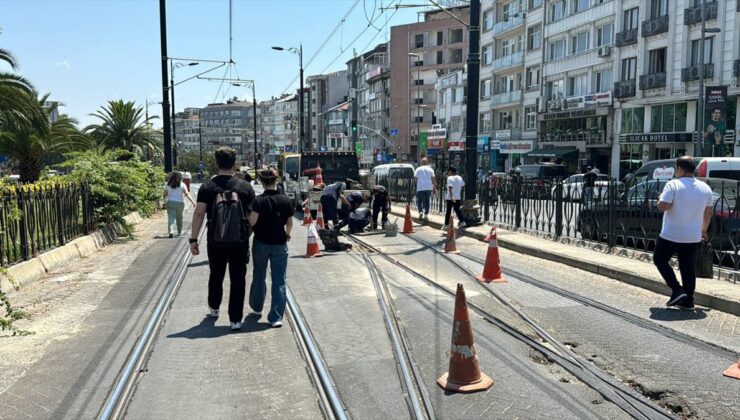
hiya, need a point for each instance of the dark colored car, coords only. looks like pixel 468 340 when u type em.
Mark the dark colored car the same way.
pixel 636 221
pixel 539 178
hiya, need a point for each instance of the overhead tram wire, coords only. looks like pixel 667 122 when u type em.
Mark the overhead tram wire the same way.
pixel 369 18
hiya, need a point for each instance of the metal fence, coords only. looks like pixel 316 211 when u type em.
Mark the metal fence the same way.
pixel 36 218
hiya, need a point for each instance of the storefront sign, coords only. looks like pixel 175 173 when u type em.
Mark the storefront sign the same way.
pixel 510 147
pixel 448 81
pixel 484 144
pixel 502 134
pixel 589 101
pixel 436 137
pixel 656 138
pixel 664 173
pixel 336 122
pixel 456 145
pixel 423 142
pixel 577 113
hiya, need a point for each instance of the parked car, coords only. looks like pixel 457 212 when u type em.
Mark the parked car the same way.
pixel 539 178
pixel 636 219
pixel 727 168
pixel 573 187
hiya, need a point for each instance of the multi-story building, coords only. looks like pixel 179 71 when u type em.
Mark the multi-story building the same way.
pixel 187 129
pixel 657 77
pixel 420 53
pixel 281 125
pixel 230 124
pixel 325 91
pixel 450 115
pixel 336 123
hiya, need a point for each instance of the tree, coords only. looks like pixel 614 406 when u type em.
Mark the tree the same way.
pixel 123 126
pixel 29 145
pixel 189 161
pixel 17 96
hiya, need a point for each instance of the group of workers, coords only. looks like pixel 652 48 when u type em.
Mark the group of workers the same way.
pixel 351 213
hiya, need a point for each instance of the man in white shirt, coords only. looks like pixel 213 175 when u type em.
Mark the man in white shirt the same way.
pixel 424 176
pixel 453 197
pixel 686 204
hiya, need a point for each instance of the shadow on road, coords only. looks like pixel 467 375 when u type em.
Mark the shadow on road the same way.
pixel 208 329
pixel 670 314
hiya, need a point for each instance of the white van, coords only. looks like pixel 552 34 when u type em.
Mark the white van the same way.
pixel 719 167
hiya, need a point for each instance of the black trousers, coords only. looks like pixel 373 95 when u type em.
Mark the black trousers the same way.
pixel 329 208
pixel 236 258
pixel 380 204
pixel 456 205
pixel 664 250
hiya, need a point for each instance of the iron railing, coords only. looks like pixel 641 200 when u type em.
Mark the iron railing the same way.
pixel 36 218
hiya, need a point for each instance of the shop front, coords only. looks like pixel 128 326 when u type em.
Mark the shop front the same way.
pixel 513 151
pixel 638 149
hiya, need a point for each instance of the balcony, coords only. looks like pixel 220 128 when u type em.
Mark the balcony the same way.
pixel 655 26
pixel 506 25
pixel 692 15
pixel 625 38
pixel 590 137
pixel 506 98
pixel 652 81
pixel 694 72
pixel 736 66
pixel 505 62
pixel 625 89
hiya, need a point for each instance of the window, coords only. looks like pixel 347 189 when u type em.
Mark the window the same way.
pixel 484 122
pixel 440 57
pixel 629 68
pixel 578 85
pixel 658 8
pixel 456 56
pixel 668 118
pixel 580 5
pixel 506 12
pixel 604 35
pixel 530 117
pixel 695 53
pixel 534 4
pixel 486 56
pixel 485 89
pixel 603 81
pixel 532 77
pixel 419 41
pixel 487 20
pixel 557 49
pixel 657 61
pixel 456 35
pixel 633 120
pixel 442 97
pixel 631 18
pixel 579 43
pixel 534 37
pixel 440 38
pixel 556 89
pixel 456 124
pixel 507 48
pixel 419 82
pixel 454 95
pixel 557 10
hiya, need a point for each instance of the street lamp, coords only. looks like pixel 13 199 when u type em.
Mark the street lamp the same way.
pixel 254 116
pixel 299 52
pixel 418 105
pixel 704 30
pixel 175 65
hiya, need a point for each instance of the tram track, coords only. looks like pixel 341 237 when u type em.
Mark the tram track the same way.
pixel 625 398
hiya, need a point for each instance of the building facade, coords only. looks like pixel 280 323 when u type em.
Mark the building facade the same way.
pixel 325 91
pixel 187 129
pixel 336 127
pixel 280 124
pixel 230 125
pixel 420 53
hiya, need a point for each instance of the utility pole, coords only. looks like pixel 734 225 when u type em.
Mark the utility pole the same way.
pixel 300 100
pixel 165 97
pixel 700 139
pixel 470 206
pixel 174 113
pixel 254 114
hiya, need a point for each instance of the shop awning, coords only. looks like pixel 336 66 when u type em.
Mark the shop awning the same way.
pixel 552 153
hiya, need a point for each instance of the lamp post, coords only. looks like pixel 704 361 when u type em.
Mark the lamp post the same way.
pixel 470 205
pixel 299 52
pixel 418 105
pixel 175 65
pixel 700 140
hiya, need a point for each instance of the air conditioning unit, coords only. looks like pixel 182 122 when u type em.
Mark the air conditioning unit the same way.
pixel 605 51
pixel 697 14
pixel 554 104
pixel 652 81
pixel 564 104
pixel 695 72
pixel 654 26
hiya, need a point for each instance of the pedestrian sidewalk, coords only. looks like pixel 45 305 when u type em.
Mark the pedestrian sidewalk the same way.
pixel 712 293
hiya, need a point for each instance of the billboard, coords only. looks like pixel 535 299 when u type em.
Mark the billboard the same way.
pixel 715 121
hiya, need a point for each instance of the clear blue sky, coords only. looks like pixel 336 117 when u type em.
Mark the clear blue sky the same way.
pixel 86 52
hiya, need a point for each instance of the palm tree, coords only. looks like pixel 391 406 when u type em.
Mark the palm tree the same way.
pixel 123 126
pixel 17 97
pixel 29 145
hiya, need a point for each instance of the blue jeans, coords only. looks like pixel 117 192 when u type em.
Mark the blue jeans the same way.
pixel 422 201
pixel 277 255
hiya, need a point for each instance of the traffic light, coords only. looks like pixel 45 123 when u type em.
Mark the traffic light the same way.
pixel 354 126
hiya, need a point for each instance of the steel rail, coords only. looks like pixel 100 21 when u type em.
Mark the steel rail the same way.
pixel 628 400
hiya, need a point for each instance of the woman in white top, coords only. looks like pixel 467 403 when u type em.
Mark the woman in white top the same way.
pixel 174 195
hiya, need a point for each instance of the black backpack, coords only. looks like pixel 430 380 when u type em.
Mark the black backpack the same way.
pixel 227 226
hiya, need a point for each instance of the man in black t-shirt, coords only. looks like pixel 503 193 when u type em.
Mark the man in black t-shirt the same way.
pixel 381 203
pixel 272 220
pixel 235 256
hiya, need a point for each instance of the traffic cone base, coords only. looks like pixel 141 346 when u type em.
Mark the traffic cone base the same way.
pixel 450 245
pixel 483 384
pixel 496 280
pixel 408 225
pixel 733 371
pixel 312 244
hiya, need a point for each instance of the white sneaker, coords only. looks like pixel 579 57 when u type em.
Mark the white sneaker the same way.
pixel 236 326
pixel 256 313
pixel 462 225
pixel 212 313
pixel 277 324
pixel 445 227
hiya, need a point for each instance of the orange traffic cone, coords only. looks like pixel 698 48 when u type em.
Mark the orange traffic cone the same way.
pixel 307 220
pixel 733 371
pixel 408 226
pixel 490 234
pixel 312 245
pixel 464 374
pixel 492 268
pixel 320 218
pixel 450 245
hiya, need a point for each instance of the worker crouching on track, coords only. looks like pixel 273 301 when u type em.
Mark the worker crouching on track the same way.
pixel 347 212
pixel 381 202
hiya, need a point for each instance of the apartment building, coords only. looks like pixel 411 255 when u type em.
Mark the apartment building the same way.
pixel 336 126
pixel 187 129
pixel 325 91
pixel 659 67
pixel 451 116
pixel 280 124
pixel 229 124
pixel 420 53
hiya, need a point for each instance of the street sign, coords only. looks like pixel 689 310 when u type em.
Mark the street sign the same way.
pixel 423 143
pixel 394 132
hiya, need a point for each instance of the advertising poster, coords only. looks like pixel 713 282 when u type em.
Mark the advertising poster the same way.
pixel 715 121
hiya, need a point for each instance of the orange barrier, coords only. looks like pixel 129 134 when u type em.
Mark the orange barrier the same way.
pixel 733 371
pixel 464 374
pixel 408 226
pixel 312 245
pixel 492 268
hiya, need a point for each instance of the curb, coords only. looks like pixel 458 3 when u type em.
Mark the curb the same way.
pixel 27 272
pixel 714 302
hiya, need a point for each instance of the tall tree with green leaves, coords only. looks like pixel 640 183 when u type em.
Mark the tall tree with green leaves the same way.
pixel 123 125
pixel 17 96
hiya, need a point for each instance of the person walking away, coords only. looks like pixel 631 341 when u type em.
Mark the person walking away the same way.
pixel 686 204
pixel 424 176
pixel 187 178
pixel 589 182
pixel 330 198
pixel 272 221
pixel 453 197
pixel 174 195
pixel 226 201
pixel 381 202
